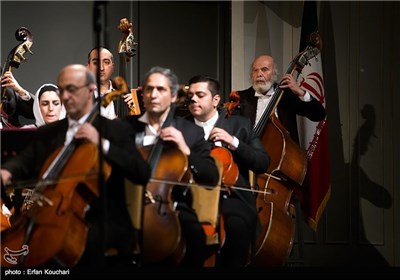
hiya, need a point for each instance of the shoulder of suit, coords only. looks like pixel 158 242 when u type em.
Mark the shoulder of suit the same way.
pixel 238 119
pixel 184 123
pixel 246 91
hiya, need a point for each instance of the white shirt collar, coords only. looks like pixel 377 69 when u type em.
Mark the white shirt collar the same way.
pixel 207 125
pixel 150 134
pixel 80 121
pixel 210 122
pixel 269 93
pixel 110 89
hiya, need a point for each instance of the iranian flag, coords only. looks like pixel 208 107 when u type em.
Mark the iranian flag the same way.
pixel 316 188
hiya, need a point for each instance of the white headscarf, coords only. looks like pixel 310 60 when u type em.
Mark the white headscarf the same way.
pixel 36 108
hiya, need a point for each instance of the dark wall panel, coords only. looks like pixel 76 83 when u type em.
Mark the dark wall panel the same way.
pixel 186 36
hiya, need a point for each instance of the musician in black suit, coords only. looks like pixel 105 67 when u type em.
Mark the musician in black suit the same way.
pixel 160 90
pixel 105 64
pixel 16 101
pixel 235 133
pixel 295 101
pixel 76 85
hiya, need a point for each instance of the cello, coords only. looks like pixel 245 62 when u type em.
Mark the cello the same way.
pixel 5 214
pixel 230 171
pixel 160 220
pixel 54 227
pixel 229 174
pixel 14 59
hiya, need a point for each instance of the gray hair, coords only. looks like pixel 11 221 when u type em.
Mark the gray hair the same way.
pixel 168 73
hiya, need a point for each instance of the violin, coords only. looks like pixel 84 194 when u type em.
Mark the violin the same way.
pixel 14 59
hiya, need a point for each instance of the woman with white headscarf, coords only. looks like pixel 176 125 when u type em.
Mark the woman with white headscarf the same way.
pixel 47 106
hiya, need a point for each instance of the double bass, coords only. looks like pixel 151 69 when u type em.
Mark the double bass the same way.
pixel 54 228
pixel 287 169
pixel 15 58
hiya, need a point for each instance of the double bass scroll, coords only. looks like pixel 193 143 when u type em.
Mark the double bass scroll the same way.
pixel 14 59
pixel 127 50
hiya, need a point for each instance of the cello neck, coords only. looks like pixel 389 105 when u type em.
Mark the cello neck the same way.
pixel 62 158
pixel 156 150
pixel 221 117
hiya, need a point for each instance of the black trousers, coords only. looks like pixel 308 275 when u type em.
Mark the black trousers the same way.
pixel 195 238
pixel 116 235
pixel 240 222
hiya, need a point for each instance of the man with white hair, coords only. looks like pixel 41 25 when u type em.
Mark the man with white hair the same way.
pixel 294 101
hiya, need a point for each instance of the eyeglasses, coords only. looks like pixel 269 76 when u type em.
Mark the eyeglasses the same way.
pixel 70 88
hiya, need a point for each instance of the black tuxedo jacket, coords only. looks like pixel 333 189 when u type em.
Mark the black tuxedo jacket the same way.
pixel 289 106
pixel 250 155
pixel 125 161
pixel 14 106
pixel 201 163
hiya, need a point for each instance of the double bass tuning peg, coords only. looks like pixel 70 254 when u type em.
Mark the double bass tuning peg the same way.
pixel 20 50
pixel 20 57
pixel 27 49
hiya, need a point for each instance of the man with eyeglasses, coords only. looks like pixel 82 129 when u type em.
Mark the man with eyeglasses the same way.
pixel 76 86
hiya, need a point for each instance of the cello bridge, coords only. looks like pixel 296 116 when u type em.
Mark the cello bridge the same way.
pixel 149 198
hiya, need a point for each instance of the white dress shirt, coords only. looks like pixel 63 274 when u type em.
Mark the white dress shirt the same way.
pixel 263 101
pixel 73 127
pixel 150 133
pixel 108 111
pixel 209 125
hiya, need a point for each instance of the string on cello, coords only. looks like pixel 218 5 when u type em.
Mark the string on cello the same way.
pixel 61 207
